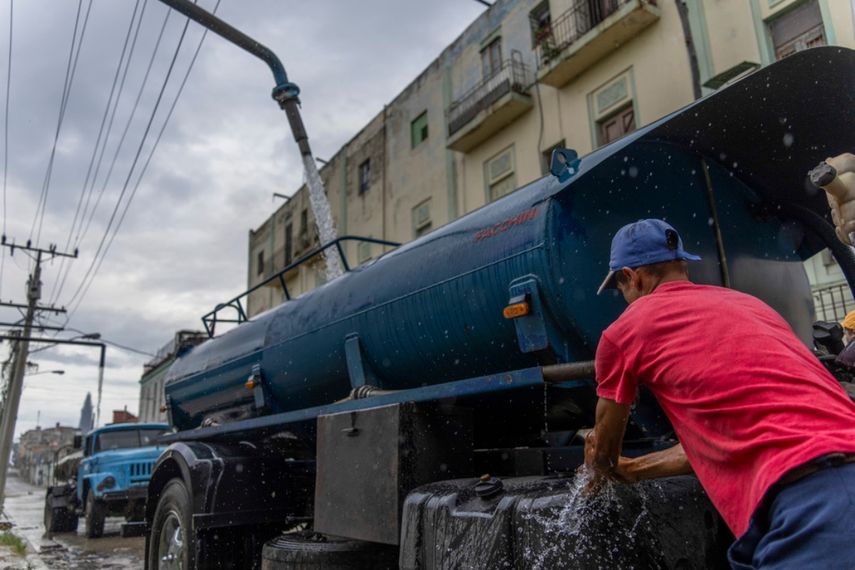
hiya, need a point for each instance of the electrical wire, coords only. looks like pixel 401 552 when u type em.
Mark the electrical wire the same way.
pixel 99 339
pixel 83 191
pixel 6 143
pixel 96 262
pixel 151 152
pixel 83 229
pixel 107 178
pixel 71 68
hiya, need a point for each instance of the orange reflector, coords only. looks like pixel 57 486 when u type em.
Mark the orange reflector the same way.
pixel 516 310
pixel 250 384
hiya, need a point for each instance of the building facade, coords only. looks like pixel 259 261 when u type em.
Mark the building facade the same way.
pixel 154 374
pixel 39 450
pixel 528 76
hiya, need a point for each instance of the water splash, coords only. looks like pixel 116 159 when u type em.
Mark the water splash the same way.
pixel 592 529
pixel 323 216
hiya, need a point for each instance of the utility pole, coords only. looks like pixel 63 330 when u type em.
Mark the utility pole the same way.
pixel 21 351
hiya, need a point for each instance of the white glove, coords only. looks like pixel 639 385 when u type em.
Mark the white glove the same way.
pixel 840 191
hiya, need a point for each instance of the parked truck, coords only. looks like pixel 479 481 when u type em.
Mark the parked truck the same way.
pixel 400 416
pixel 108 476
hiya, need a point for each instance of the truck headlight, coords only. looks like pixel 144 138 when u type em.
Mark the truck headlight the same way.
pixel 108 483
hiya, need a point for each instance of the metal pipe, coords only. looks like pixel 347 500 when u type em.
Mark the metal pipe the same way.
pixel 243 41
pixel 569 371
pixel 719 243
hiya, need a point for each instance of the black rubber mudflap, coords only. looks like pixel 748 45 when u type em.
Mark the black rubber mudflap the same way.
pixel 312 551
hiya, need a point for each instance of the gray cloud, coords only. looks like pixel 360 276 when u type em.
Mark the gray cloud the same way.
pixel 182 247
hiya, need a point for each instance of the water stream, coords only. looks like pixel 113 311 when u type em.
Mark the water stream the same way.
pixel 323 216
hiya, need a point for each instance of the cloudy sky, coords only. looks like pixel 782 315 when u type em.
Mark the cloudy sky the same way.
pixel 182 245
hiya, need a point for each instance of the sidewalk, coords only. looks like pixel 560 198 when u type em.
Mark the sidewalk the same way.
pixel 25 510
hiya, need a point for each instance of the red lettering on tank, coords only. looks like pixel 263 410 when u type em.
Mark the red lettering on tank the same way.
pixel 505 225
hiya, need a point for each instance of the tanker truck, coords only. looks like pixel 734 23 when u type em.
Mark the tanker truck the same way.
pixel 426 410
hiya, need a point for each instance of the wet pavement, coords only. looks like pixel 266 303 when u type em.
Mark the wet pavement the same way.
pixel 25 509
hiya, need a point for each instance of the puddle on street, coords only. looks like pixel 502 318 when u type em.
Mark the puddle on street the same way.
pixel 67 551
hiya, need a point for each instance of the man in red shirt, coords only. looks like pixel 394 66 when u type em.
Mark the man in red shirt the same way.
pixel 766 429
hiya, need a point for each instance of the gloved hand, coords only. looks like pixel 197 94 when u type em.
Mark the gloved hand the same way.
pixel 837 177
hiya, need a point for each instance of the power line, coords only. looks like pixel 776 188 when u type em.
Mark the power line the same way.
pixel 150 154
pixel 82 235
pixel 98 139
pixel 6 141
pixel 84 286
pixel 83 229
pixel 71 68
pixel 98 337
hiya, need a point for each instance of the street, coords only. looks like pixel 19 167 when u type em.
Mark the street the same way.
pixel 25 508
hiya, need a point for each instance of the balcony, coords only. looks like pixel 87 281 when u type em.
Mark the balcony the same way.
pixel 586 33
pixel 489 106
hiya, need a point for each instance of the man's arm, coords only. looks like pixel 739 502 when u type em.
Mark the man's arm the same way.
pixel 604 442
pixel 665 463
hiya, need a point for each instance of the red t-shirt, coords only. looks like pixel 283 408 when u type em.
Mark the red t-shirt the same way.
pixel 746 397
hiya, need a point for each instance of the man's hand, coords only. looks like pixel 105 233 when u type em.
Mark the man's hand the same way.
pixel 603 443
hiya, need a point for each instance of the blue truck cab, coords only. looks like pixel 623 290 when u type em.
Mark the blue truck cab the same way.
pixel 111 478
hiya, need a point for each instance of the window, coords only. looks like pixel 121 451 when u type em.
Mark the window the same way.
pixel 612 109
pixel 419 129
pixel 363 252
pixel 615 126
pixel 364 175
pixel 546 156
pixel 289 244
pixel 799 29
pixel 259 265
pixel 128 439
pixel 491 58
pixel 541 24
pixel 499 174
pixel 304 229
pixel 422 223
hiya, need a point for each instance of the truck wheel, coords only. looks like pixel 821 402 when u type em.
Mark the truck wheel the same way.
pixel 96 512
pixel 60 519
pixel 311 551
pixel 170 545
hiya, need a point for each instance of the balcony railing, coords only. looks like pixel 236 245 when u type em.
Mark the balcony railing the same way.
pixel 583 16
pixel 512 76
pixel 577 21
pixel 833 302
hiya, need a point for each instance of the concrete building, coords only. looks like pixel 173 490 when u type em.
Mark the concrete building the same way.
pixel 39 450
pixel 525 77
pixel 154 375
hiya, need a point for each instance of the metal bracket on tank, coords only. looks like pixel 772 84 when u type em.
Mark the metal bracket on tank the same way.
pixel 257 386
pixel 531 328
pixel 355 364
pixel 564 163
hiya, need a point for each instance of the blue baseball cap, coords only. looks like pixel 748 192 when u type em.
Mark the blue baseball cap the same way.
pixel 644 242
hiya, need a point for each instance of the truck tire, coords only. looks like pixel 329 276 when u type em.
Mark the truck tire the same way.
pixel 311 551
pixel 59 519
pixel 171 544
pixel 96 512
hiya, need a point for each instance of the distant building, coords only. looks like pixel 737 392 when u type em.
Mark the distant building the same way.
pixel 154 372
pixel 124 417
pixel 87 418
pixel 523 78
pixel 39 450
